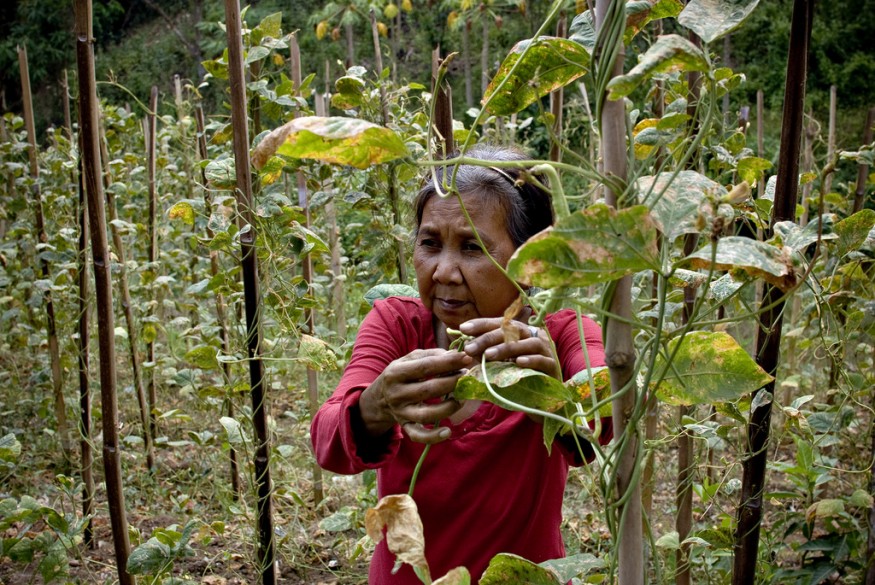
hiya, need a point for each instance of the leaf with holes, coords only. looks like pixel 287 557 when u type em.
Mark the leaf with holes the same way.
pixel 593 245
pixel 533 69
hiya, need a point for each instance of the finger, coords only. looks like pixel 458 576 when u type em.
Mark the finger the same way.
pixel 477 327
pixel 420 434
pixel 538 362
pixel 417 366
pixel 507 351
pixel 427 389
pixel 428 413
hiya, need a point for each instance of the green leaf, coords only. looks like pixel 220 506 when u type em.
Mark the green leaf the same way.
pixel 724 287
pixel 708 367
pixel 270 26
pixel 182 210
pixel 505 568
pixel 533 69
pixel 684 204
pixel 751 168
pixel 523 386
pixel 149 558
pixel 574 566
pixel 861 499
pixel 669 540
pixel 638 14
pixel 758 259
pixel 221 173
pixel 316 354
pixel 233 430
pixel 668 53
pixel 596 244
pixel 384 291
pixel 10 448
pixel 711 19
pixel 853 231
pixel 256 54
pixel 203 356
pixel 340 521
pixel 338 140
pixel 799 238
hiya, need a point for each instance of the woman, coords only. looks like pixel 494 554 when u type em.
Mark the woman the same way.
pixel 489 484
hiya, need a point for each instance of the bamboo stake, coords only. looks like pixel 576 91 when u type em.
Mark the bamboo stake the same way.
pixel 309 313
pixel 152 257
pixel 466 62
pixel 221 321
pixel 400 260
pixel 68 123
pixel 831 134
pixel 249 264
pixel 45 271
pixel 88 108
pixel 863 169
pixel 85 453
pixel 443 109
pixel 484 51
pixel 750 509
pixel 620 350
pixel 127 306
pixel 556 99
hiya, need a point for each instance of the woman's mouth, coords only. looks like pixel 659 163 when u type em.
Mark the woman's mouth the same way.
pixel 450 304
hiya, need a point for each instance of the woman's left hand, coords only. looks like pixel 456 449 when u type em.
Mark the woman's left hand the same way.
pixel 533 349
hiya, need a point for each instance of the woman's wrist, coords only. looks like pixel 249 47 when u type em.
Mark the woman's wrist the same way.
pixel 369 413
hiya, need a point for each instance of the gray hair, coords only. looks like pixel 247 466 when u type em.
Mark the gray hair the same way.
pixel 527 206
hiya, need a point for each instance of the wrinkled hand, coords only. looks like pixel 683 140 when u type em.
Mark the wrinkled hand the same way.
pixel 529 351
pixel 400 394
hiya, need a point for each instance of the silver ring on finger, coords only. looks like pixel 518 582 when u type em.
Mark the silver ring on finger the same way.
pixel 533 331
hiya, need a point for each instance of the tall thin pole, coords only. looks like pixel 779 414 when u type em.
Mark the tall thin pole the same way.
pixel 619 347
pixel 88 108
pixel 863 169
pixel 221 321
pixel 151 126
pixel 750 510
pixel 45 272
pixel 252 300
pixel 309 313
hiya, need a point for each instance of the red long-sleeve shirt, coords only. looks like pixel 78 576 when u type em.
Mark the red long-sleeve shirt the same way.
pixel 490 488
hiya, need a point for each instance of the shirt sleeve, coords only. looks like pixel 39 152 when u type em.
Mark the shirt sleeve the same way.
pixel 566 336
pixel 339 441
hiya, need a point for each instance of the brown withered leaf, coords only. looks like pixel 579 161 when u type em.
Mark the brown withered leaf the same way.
pixel 511 331
pixel 404 537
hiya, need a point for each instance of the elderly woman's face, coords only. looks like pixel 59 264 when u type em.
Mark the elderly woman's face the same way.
pixel 457 281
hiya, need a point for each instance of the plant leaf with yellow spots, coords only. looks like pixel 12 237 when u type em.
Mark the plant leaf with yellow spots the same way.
pixel 708 367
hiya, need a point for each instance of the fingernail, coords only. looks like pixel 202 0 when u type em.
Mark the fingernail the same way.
pixel 465 327
pixel 469 347
pixel 490 353
pixel 444 433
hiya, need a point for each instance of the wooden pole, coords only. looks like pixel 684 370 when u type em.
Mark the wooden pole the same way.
pixel 251 294
pixel 45 271
pixel 86 456
pixel 619 347
pixel 88 123
pixel 152 256
pixel 750 509
pixel 831 134
pixel 863 169
pixel 309 313
pixel 443 109
pixel 556 99
pixel 221 321
pixel 127 306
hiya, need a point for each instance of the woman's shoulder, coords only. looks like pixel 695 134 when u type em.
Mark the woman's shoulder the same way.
pixel 405 316
pixel 568 318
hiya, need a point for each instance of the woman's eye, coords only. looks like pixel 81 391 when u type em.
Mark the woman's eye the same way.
pixel 428 243
pixel 472 247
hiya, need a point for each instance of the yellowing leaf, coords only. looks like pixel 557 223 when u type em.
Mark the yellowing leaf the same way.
pixel 404 536
pixel 458 576
pixel 523 386
pixel 182 210
pixel 339 140
pixel 507 568
pixel 533 69
pixel 668 53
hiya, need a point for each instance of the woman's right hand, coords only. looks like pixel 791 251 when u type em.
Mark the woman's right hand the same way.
pixel 403 394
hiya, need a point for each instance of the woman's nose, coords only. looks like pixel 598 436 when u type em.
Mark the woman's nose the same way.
pixel 447 270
